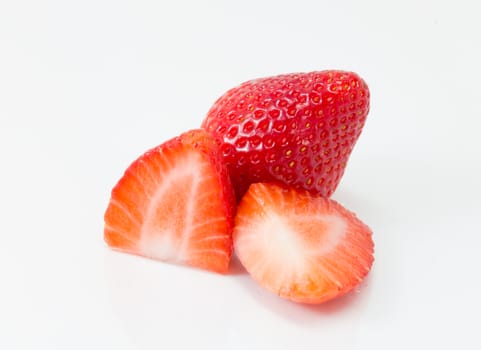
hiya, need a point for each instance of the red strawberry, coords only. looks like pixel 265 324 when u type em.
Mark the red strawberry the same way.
pixel 175 203
pixel 296 129
pixel 302 247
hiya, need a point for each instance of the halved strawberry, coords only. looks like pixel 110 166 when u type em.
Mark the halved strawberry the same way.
pixel 304 248
pixel 175 203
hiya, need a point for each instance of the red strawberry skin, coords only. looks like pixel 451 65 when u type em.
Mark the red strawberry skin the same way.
pixel 296 129
pixel 175 203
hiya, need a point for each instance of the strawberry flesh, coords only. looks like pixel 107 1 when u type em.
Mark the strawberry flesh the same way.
pixel 305 248
pixel 175 203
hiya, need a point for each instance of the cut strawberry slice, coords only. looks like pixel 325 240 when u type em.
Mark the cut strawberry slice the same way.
pixel 304 248
pixel 175 203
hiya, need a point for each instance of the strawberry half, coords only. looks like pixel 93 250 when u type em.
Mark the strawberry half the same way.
pixel 175 203
pixel 304 248
pixel 296 129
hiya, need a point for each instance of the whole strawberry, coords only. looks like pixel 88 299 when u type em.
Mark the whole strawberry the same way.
pixel 296 129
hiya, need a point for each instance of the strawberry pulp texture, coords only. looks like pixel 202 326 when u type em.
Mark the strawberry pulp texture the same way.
pixel 296 129
pixel 175 203
pixel 304 248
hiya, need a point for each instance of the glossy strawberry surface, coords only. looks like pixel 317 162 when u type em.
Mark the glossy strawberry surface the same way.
pixel 296 129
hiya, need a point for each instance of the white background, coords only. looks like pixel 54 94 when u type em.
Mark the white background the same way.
pixel 87 86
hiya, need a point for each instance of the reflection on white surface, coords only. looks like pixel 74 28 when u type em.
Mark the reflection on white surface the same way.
pixel 156 303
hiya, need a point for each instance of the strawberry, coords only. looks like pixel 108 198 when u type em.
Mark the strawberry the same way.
pixel 175 203
pixel 302 247
pixel 296 129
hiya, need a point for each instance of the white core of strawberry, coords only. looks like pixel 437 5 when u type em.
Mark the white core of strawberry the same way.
pixel 280 244
pixel 160 246
pixel 159 240
pixel 279 239
pixel 336 229
pixel 283 253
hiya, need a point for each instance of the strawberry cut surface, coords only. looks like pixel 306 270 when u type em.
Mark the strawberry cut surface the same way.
pixel 305 248
pixel 175 203
pixel 295 129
